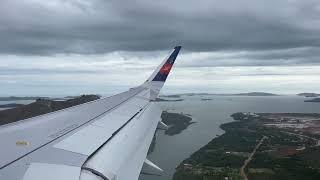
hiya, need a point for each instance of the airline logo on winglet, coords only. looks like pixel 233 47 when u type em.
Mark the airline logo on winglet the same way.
pixel 165 69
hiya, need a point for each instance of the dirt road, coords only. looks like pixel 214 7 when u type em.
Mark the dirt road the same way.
pixel 246 162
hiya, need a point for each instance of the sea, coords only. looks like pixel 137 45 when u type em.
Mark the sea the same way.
pixel 209 115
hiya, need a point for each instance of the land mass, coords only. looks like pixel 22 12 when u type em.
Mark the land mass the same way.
pixel 171 96
pixel 225 94
pixel 313 100
pixel 15 98
pixel 309 94
pixel 177 122
pixel 206 99
pixel 39 107
pixel 259 146
pixel 167 100
pixel 11 105
pixel 256 94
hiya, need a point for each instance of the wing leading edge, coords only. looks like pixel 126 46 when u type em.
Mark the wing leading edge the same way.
pixel 104 139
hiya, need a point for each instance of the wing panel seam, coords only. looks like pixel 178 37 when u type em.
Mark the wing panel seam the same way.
pixel 113 134
pixel 95 172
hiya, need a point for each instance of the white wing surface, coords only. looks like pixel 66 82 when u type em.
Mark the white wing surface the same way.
pixel 106 139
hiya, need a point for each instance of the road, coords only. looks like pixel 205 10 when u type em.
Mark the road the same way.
pixel 317 141
pixel 246 162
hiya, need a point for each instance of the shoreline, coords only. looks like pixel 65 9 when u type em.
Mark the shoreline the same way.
pixel 224 156
pixel 40 107
pixel 177 122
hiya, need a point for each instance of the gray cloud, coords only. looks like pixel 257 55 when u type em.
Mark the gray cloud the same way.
pixel 76 26
pixel 276 57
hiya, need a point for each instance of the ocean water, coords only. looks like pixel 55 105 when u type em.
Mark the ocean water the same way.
pixel 17 102
pixel 209 115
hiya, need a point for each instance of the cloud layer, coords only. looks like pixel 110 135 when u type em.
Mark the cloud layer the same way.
pixel 77 41
pixel 98 26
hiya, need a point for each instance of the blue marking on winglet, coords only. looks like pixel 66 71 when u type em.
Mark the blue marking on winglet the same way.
pixel 165 69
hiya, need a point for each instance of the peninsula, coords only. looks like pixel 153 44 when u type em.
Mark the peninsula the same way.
pixel 11 105
pixel 259 146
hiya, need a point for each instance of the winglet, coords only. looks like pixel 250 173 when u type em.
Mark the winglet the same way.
pixel 163 70
pixel 166 67
pixel 159 76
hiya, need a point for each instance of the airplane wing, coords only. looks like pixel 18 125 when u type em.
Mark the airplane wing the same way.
pixel 106 139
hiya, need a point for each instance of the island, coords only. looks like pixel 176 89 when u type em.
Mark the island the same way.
pixel 313 100
pixel 308 94
pixel 41 106
pixel 184 94
pixel 256 94
pixel 177 122
pixel 206 99
pixel 171 96
pixel 259 146
pixel 167 100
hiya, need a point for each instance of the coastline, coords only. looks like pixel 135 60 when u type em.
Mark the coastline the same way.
pixel 248 139
pixel 41 106
pixel 177 122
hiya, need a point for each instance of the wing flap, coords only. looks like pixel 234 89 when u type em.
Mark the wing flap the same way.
pixel 88 139
pixel 125 153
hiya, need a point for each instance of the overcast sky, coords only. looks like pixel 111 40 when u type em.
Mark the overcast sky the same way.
pixel 67 47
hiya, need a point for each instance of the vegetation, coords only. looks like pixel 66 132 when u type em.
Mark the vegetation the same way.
pixel 41 106
pixel 176 122
pixel 11 105
pixel 15 98
pixel 277 158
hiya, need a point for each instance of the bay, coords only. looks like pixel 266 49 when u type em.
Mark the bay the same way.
pixel 209 115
